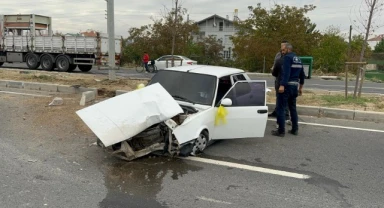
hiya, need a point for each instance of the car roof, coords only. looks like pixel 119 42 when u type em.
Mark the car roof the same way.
pixel 217 71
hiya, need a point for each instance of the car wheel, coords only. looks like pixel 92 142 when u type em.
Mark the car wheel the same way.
pixel 200 143
pixel 63 63
pixel 47 63
pixel 32 61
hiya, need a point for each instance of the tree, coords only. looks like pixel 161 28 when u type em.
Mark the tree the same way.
pixel 379 48
pixel 372 9
pixel 261 34
pixel 332 50
pixel 357 44
pixel 157 38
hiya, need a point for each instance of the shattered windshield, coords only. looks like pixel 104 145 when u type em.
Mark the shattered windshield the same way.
pixel 188 87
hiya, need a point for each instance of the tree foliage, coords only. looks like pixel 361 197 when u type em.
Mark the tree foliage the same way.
pixel 379 48
pixel 260 35
pixel 331 52
pixel 156 39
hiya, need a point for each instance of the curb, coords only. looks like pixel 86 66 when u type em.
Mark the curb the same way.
pixel 36 86
pixel 336 113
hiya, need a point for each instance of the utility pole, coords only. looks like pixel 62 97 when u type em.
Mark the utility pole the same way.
pixel 174 33
pixel 111 38
pixel 347 66
pixel 264 65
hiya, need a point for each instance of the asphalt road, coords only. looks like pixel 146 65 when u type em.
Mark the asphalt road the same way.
pixel 48 161
pixel 314 83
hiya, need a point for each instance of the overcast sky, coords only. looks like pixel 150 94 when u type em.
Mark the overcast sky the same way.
pixel 80 15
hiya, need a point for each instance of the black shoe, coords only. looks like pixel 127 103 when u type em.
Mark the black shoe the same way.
pixel 294 132
pixel 273 114
pixel 277 133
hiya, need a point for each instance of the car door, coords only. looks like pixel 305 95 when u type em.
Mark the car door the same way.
pixel 161 62
pixel 247 116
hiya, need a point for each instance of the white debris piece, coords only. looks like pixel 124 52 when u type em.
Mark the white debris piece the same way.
pixel 124 116
pixel 57 101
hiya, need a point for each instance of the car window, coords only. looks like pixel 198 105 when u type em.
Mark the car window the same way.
pixel 224 85
pixel 163 58
pixel 186 58
pixel 238 77
pixel 247 94
pixel 190 87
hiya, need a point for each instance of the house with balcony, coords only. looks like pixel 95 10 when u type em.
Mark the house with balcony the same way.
pixel 219 27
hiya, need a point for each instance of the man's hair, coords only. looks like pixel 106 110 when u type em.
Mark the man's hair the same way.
pixel 145 52
pixel 289 46
pixel 284 41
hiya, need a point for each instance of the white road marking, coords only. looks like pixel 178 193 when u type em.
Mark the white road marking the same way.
pixel 248 167
pixel 213 200
pixel 18 93
pixel 335 126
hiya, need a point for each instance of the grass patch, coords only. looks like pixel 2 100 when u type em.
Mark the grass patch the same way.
pixel 44 77
pixel 375 76
pixel 337 100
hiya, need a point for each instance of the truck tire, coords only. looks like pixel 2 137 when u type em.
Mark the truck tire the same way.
pixel 72 67
pixel 1 63
pixel 63 63
pixel 32 61
pixel 85 68
pixel 47 63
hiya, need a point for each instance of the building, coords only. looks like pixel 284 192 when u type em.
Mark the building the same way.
pixel 221 28
pixel 374 41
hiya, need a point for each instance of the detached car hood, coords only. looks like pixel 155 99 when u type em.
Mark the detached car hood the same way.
pixel 124 116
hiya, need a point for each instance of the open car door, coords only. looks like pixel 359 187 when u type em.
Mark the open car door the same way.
pixel 247 113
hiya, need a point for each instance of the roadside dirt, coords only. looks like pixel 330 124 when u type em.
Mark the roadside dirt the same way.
pixel 106 87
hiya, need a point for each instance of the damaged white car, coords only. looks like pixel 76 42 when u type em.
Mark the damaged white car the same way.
pixel 180 112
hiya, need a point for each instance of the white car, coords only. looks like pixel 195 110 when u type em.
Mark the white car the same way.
pixel 161 63
pixel 176 112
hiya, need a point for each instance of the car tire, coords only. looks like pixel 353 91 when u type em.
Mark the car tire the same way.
pixel 85 68
pixel 63 63
pixel 72 67
pixel 200 143
pixel 32 61
pixel 47 63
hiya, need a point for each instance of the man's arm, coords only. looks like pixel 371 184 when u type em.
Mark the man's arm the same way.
pixel 286 71
pixel 302 78
pixel 275 71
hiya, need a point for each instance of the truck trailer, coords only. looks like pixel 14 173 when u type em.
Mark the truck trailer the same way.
pixel 29 39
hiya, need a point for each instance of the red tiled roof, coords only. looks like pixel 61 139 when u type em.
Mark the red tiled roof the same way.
pixel 377 38
pixel 89 34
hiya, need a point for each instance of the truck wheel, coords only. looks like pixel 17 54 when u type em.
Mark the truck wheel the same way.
pixel 85 68
pixel 47 63
pixel 63 64
pixel 201 143
pixel 72 67
pixel 1 63
pixel 32 61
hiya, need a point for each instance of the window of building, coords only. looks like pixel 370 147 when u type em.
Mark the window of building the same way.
pixel 221 25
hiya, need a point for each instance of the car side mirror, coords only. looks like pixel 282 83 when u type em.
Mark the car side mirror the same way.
pixel 226 102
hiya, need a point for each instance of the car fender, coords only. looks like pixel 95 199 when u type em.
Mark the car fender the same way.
pixel 193 125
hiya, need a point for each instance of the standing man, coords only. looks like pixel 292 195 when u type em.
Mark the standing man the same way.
pixel 146 60
pixel 291 86
pixel 276 72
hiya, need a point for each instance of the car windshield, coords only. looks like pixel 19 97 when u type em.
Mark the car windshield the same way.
pixel 188 87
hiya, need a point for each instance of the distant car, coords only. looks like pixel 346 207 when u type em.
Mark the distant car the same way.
pixel 176 112
pixel 161 63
